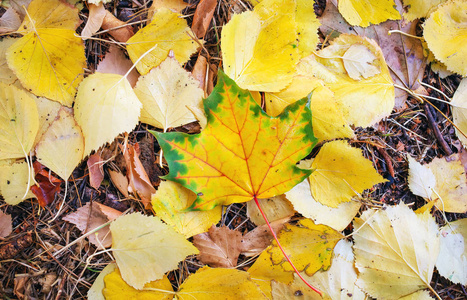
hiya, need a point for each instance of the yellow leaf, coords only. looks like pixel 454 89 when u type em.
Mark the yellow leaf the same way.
pixel 337 218
pixel 295 290
pixel 274 208
pixel 259 47
pixel 339 281
pixel 358 62
pixel 145 248
pixel 417 9
pixel 421 180
pixel 6 74
pixel 105 107
pixel 395 251
pixel 340 172
pixel 419 295
pixel 263 271
pixel 365 12
pixel 49 14
pixel 95 292
pixel 169 201
pixel 459 111
pixel 308 246
pixel 219 283
pixel 170 32
pixel 19 122
pixel 445 32
pixel 62 145
pixel 14 181
pixel 49 62
pixel 117 289
pixel 174 5
pixel 47 110
pixel 452 259
pixel 363 102
pixel 166 93
pixel 307 27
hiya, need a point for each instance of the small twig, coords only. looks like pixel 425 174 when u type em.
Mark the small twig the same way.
pixel 434 126
pixel 388 161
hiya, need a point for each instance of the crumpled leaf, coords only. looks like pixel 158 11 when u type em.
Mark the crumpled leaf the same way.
pixel 452 258
pixel 47 185
pixel 95 19
pixel 170 32
pixel 417 9
pixel 19 122
pixel 275 208
pixel 88 218
pixel 365 12
pixel 115 62
pixel 459 111
pixel 421 181
pixel 445 32
pixel 337 218
pixel 245 141
pixel 308 246
pixel 340 172
pixel 220 247
pixel 118 29
pixel 6 74
pixel 145 248
pixel 395 251
pixel 61 147
pixel 219 283
pixel 168 204
pixel 54 69
pixel 105 106
pixel 259 47
pixel 203 16
pixel 117 289
pixel 167 92
pixel 95 292
pixel 358 62
pixel 6 225
pixel 363 102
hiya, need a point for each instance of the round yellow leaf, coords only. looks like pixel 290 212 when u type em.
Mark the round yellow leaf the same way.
pixel 105 107
pixel 49 63
pixel 445 32
pixel 95 292
pixel 49 14
pixel 166 93
pixel 19 122
pixel 145 248
pixel 365 12
pixel 168 31
pixel 62 146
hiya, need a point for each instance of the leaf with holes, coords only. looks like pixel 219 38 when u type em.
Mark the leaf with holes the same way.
pixel 242 153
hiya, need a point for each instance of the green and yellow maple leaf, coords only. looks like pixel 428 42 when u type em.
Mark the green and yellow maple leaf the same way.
pixel 242 153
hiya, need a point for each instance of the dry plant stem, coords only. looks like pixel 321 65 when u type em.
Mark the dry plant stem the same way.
pixel 283 252
pixel 434 126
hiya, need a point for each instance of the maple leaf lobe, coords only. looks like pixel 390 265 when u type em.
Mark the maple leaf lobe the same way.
pixel 242 152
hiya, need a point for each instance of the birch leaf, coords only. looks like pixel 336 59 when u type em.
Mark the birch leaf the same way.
pixel 365 12
pixel 6 74
pixel 417 9
pixel 459 111
pixel 422 181
pixel 14 181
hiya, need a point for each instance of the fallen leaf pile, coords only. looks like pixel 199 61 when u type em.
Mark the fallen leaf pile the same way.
pixel 280 131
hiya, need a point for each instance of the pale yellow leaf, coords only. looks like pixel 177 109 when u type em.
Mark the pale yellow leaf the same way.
pixel 337 218
pixel 259 47
pixel 14 181
pixel 452 259
pixel 295 290
pixel 49 14
pixel 6 74
pixel 363 102
pixel 421 181
pixel 274 208
pixel 395 251
pixel 417 9
pixel 308 246
pixel 169 201
pixel 358 62
pixel 95 292
pixel 166 93
pixel 145 248
pixel 19 122
pixel 105 106
pixel 219 283
pixel 459 111
pixel 95 19
pixel 365 12
pixel 419 295
pixel 47 110
pixel 339 281
pixel 61 147
pixel 174 5
pixel 340 173
pixel 445 32
pixel 169 32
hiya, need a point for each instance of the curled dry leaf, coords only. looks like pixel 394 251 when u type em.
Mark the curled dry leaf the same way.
pixel 122 31
pixel 89 217
pixel 115 62
pixel 120 181
pixel 96 171
pixel 257 240
pixel 6 227
pixel 220 247
pixel 203 16
pixel 95 20
pixel 47 185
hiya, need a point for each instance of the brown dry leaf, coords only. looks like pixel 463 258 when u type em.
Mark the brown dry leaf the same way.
pixel 203 16
pixel 199 72
pixel 96 172
pixel 122 34
pixel 115 62
pixel 220 247
pixel 138 179
pixel 257 240
pixel 96 17
pixel 120 181
pixel 17 5
pixel 10 21
pixel 6 226
pixel 88 217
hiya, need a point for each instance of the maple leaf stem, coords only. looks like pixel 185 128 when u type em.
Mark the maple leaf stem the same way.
pixel 280 247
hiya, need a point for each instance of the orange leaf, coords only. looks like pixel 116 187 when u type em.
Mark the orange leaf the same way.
pixel 47 185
